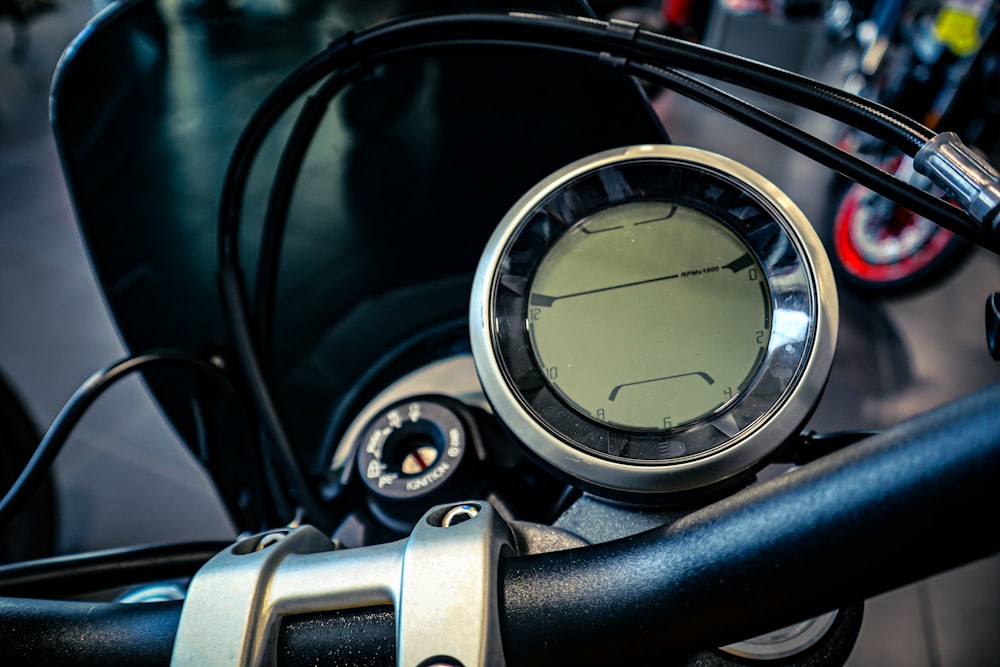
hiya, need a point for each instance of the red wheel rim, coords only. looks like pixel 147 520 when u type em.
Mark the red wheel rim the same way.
pixel 848 248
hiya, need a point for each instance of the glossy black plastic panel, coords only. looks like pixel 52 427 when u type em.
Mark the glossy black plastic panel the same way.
pixel 410 171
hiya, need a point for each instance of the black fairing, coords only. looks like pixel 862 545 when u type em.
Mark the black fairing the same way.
pixel 409 174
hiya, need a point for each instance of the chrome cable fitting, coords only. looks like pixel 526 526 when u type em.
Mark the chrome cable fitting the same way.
pixel 964 176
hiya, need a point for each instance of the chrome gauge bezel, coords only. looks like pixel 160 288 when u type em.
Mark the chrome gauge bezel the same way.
pixel 769 410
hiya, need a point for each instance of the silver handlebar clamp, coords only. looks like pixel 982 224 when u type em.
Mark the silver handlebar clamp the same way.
pixel 442 582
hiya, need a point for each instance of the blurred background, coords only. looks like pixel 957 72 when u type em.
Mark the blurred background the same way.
pixel 125 478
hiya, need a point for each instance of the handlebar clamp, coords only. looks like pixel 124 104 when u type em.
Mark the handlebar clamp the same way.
pixel 236 601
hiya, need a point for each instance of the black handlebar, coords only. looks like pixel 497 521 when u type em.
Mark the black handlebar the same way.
pixel 55 632
pixel 911 502
pixel 898 507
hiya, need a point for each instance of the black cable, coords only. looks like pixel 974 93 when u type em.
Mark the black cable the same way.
pixel 38 466
pixel 770 80
pixel 231 281
pixel 871 117
pixel 875 119
pixel 273 434
pixel 230 277
pixel 547 33
pixel 248 512
pixel 920 202
pixel 621 39
pixel 280 198
pixel 75 574
pixel 283 506
pixel 312 113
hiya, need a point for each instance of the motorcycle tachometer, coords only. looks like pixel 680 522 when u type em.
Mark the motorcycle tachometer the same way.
pixel 653 319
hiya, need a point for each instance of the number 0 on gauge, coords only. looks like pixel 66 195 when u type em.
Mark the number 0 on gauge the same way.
pixel 653 320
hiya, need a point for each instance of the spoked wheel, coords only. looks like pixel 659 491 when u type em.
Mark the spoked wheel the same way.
pixel 883 249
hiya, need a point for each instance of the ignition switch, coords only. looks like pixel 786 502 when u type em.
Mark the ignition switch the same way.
pixel 414 448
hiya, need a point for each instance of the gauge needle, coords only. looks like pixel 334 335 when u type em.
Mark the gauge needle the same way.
pixel 705 376
pixel 546 300
pixel 737 265
pixel 740 263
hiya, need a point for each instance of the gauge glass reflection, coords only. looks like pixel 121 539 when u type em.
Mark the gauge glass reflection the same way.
pixel 649 315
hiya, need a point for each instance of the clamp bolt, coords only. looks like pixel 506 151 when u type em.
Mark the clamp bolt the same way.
pixel 271 538
pixel 459 514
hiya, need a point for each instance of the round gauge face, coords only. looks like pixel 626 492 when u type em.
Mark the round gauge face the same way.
pixel 653 320
pixel 649 315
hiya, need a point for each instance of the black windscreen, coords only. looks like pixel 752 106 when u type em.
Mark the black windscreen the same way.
pixel 408 175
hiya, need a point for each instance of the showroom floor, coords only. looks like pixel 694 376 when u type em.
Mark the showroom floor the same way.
pixel 54 331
